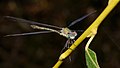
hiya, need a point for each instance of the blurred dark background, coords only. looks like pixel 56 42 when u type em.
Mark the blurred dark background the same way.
pixel 43 50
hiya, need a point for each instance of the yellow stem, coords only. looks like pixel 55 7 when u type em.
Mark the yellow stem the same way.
pixel 94 25
pixel 58 64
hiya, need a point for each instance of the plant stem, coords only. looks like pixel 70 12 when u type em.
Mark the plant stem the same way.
pixel 94 25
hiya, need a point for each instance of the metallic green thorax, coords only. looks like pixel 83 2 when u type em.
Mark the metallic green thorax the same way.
pixel 68 33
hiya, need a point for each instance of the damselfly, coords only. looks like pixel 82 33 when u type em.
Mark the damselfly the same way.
pixel 66 32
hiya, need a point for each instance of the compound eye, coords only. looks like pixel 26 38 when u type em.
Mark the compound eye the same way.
pixel 74 33
pixel 69 33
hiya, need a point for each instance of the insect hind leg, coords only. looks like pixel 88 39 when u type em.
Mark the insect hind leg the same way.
pixel 67 45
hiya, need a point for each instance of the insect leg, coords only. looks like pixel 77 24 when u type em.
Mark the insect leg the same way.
pixel 65 46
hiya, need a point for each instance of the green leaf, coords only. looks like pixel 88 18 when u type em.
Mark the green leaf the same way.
pixel 91 59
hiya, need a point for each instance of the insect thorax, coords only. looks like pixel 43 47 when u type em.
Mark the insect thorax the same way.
pixel 68 33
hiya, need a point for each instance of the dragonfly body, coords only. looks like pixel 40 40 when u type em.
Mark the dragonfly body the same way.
pixel 66 32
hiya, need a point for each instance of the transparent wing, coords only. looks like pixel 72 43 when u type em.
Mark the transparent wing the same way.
pixel 78 30
pixel 31 33
pixel 30 22
pixel 79 19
